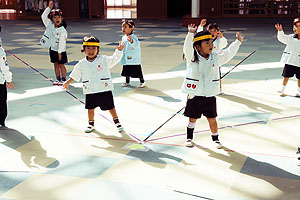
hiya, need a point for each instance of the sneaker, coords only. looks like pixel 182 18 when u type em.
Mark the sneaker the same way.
pixel 60 82
pixel 125 84
pixel 89 129
pixel 215 139
pixel 3 126
pixel 55 82
pixel 142 85
pixel 189 143
pixel 298 156
pixel 120 129
pixel 298 95
pixel 218 144
pixel 281 92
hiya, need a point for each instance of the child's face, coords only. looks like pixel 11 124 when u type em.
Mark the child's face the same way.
pixel 296 28
pixel 213 32
pixel 126 29
pixel 57 19
pixel 91 52
pixel 206 47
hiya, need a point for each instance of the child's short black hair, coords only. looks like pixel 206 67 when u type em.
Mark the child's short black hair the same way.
pixel 57 12
pixel 198 38
pixel 90 39
pixel 213 25
pixel 129 22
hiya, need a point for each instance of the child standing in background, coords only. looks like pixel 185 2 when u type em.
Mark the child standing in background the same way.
pixel 219 41
pixel 202 79
pixel 55 25
pixel 96 78
pixel 131 59
pixel 5 81
pixel 290 56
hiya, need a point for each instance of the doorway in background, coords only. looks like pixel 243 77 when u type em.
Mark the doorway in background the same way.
pixel 119 9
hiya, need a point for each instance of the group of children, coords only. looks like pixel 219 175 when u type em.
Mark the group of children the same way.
pixel 203 50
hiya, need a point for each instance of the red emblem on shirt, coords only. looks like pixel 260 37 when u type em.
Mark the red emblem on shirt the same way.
pixel 99 67
pixel 188 85
pixel 194 86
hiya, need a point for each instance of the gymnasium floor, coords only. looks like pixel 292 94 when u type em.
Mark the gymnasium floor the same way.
pixel 45 154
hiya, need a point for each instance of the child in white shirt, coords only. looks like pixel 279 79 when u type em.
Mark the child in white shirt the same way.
pixel 291 54
pixel 56 29
pixel 96 78
pixel 202 82
pixel 5 81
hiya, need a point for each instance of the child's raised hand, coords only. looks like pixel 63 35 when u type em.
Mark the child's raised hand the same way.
pixel 240 36
pixel 10 85
pixel 278 27
pixel 220 34
pixel 51 4
pixel 203 22
pixel 129 38
pixel 121 46
pixel 192 28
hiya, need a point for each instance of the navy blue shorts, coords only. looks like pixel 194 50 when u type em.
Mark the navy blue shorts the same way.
pixel 104 100
pixel 54 57
pixel 198 106
pixel 291 70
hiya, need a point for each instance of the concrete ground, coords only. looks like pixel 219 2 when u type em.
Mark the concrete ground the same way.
pixel 46 155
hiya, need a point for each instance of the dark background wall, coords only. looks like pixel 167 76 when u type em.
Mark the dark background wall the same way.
pixel 152 8
pixel 179 8
pixel 212 8
pixel 70 9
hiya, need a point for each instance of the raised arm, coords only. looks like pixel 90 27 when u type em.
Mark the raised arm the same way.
pixel 227 54
pixel 283 38
pixel 201 25
pixel 45 18
pixel 45 14
pixel 111 61
pixel 188 49
pixel 223 41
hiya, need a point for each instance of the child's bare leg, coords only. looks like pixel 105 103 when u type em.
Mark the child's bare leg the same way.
pixel 57 71
pixel 63 71
pixel 91 115
pixel 213 125
pixel 114 115
pixel 285 81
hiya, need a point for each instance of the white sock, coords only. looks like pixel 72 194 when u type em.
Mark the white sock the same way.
pixel 215 134
pixel 298 90
pixel 191 125
pixel 283 88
